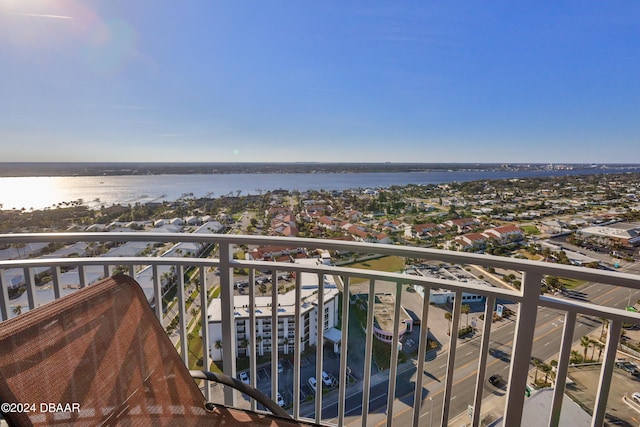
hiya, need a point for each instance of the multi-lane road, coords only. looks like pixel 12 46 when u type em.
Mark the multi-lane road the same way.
pixel 546 345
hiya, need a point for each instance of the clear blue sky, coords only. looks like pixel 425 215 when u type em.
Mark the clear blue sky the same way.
pixel 407 81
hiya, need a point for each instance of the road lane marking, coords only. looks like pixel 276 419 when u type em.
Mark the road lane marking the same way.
pixel 403 411
pixel 398 414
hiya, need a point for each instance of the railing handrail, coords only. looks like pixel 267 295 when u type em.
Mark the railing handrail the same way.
pixel 616 278
pixel 528 296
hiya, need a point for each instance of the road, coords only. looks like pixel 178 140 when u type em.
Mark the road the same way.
pixel 546 345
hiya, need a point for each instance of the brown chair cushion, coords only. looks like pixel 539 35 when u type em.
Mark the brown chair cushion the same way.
pixel 102 349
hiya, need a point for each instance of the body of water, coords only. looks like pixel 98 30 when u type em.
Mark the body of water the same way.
pixel 94 191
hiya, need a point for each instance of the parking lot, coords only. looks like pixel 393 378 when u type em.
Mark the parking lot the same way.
pixel 285 378
pixel 621 410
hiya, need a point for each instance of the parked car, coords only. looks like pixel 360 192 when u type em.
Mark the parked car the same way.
pixel 312 383
pixel 280 400
pixel 326 379
pixel 280 368
pixel 636 397
pixel 629 367
pixel 244 377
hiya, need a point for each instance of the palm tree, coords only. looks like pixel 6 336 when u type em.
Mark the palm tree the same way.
pixel 17 310
pixel 547 369
pixel 585 342
pixel 575 356
pixel 605 323
pixel 537 363
pixel 600 347
pixel 285 343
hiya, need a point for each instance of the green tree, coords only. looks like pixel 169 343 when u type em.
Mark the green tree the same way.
pixel 536 363
pixel 585 343
pixel 600 347
pixel 576 357
pixel 547 369
pixel 605 323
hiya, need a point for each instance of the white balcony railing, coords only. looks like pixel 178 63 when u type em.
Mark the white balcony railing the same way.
pixel 22 272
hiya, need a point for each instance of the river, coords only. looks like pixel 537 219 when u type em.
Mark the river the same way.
pixel 43 192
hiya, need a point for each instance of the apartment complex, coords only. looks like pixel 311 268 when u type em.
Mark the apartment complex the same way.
pixel 283 334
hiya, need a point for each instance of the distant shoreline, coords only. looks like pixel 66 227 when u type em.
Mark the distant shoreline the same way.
pixel 141 168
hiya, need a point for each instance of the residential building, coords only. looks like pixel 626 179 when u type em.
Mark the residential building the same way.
pixel 282 336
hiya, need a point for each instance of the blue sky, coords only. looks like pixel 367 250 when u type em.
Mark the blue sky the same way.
pixel 408 81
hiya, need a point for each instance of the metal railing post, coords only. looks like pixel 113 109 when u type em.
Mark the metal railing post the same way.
pixel 422 352
pixel 4 298
pixel 57 288
pixel 227 319
pixel 451 359
pixel 482 361
pixel 368 358
pixel 393 368
pixel 319 348
pixel 30 283
pixel 298 328
pixel 522 347
pixel 182 324
pixel 344 380
pixel 204 327
pixel 253 368
pixel 157 292
pixel 606 373
pixel 563 368
pixel 82 278
pixel 275 335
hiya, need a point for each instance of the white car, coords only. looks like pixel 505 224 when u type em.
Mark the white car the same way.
pixel 312 383
pixel 326 379
pixel 280 400
pixel 244 377
pixel 636 397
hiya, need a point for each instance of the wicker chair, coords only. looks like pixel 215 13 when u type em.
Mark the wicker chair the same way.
pixel 101 357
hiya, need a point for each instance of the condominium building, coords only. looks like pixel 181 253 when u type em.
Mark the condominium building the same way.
pixel 267 336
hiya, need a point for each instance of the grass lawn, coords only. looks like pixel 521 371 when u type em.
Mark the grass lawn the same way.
pixel 571 283
pixel 529 256
pixel 387 263
pixel 195 352
pixel 530 229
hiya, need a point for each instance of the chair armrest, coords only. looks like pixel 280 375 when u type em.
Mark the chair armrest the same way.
pixel 252 392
